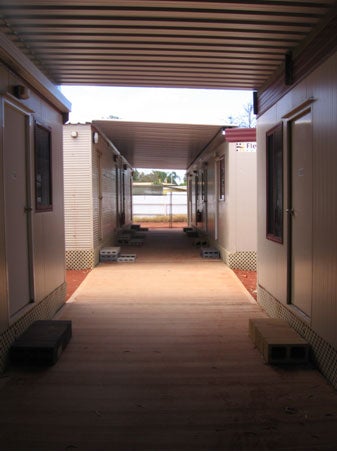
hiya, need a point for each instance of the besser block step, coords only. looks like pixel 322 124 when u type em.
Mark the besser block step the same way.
pixel 210 253
pixel 278 342
pixel 42 343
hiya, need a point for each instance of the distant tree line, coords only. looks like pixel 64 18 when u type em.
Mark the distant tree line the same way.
pixel 245 119
pixel 157 177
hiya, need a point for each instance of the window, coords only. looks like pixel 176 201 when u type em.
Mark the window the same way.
pixel 43 181
pixel 275 184
pixel 221 178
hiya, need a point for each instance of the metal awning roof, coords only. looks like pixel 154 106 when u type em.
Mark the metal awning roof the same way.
pixel 191 44
pixel 200 44
pixel 160 145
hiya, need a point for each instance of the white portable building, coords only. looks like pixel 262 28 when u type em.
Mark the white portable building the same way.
pixel 98 194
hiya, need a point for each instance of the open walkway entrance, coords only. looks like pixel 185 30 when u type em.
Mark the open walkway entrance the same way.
pixel 161 359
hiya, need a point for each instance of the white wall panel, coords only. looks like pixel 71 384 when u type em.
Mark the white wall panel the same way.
pixel 271 256
pixel 211 198
pixel 47 227
pixel 272 267
pixel 78 187
pixel 227 207
pixel 323 84
pixel 232 222
pixel 246 201
pixel 53 222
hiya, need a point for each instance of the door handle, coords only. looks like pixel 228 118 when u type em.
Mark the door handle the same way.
pixel 27 209
pixel 290 211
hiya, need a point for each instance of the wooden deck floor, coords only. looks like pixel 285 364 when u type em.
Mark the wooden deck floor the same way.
pixel 160 359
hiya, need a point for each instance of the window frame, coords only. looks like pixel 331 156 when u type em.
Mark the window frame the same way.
pixel 275 184
pixel 43 146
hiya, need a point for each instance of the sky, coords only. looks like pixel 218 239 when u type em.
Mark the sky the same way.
pixel 155 104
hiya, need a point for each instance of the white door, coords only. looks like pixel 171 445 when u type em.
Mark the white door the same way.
pixel 16 142
pixel 301 213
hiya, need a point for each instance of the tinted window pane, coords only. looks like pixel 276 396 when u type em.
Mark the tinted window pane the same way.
pixel 275 184
pixel 43 183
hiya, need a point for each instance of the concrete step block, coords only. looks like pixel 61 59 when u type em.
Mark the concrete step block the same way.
pixel 278 342
pixel 123 239
pixel 209 253
pixel 42 343
pixel 136 242
pixel 200 242
pixel 126 258
pixel 109 254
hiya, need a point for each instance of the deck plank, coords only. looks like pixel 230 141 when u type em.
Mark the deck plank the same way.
pixel 160 359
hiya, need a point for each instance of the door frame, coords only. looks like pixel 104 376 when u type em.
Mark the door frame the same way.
pixel 296 114
pixel 29 165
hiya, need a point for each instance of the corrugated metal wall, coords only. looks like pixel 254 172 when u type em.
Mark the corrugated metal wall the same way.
pixel 78 187
pixel 109 197
pixel 96 164
pixel 128 196
pixel 318 92
pixel 97 190
pixel 104 194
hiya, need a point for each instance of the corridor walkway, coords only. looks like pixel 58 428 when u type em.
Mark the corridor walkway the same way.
pixel 160 359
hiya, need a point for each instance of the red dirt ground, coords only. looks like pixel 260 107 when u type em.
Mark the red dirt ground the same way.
pixel 73 279
pixel 248 279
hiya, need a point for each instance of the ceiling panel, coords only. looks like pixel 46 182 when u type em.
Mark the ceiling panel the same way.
pixel 159 145
pixel 187 44
pixel 236 44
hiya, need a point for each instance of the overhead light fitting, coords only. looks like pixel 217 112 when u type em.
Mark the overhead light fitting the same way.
pixel 255 103
pixel 21 92
pixel 95 137
pixel 288 69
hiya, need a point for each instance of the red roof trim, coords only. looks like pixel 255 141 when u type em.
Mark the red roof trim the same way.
pixel 237 135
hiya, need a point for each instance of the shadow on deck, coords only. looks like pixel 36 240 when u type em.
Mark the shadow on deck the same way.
pixel 160 359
